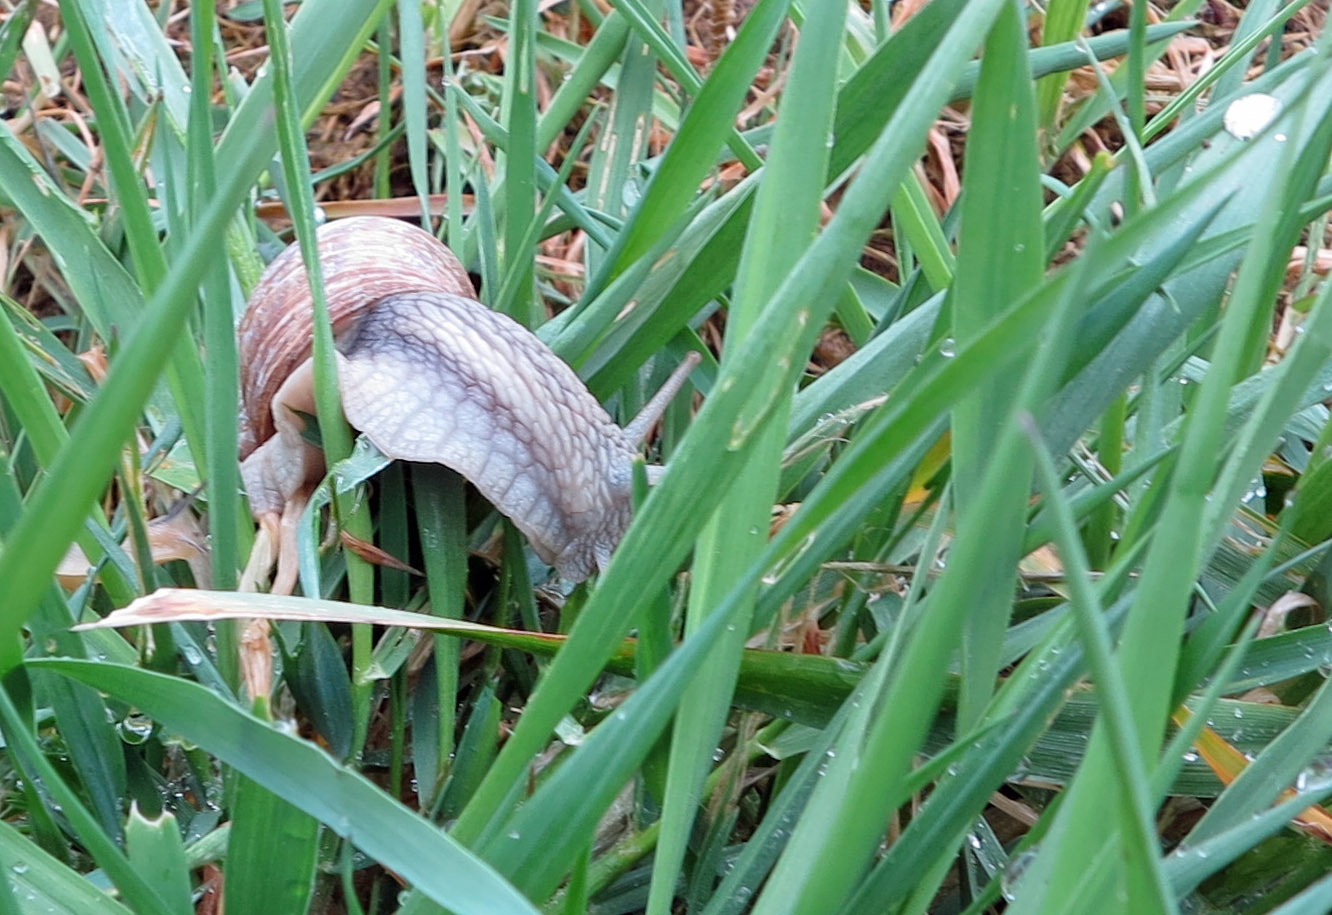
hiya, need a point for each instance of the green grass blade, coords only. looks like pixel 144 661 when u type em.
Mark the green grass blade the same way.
pixel 1148 891
pixel 411 51
pixel 44 883
pixel 271 852
pixel 519 164
pixel 1063 22
pixel 785 219
pixel 1000 259
pixel 309 779
pixel 156 851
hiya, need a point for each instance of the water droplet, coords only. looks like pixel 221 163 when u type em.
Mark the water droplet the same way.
pixel 1317 776
pixel 135 729
pixel 948 348
pixel 1247 115
pixel 19 867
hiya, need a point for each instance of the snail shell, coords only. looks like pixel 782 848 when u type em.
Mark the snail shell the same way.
pixel 364 259
pixel 430 374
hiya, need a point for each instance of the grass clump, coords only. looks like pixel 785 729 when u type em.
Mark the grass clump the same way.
pixel 987 567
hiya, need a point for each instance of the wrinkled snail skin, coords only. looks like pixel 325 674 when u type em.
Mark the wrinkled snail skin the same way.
pixel 429 376
pixel 428 373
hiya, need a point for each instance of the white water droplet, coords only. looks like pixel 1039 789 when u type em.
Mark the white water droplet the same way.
pixel 1249 114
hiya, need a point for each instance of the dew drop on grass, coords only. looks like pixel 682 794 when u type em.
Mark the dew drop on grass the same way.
pixel 1247 115
pixel 135 729
pixel 1316 776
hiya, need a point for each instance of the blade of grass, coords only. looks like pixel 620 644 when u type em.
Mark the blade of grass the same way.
pixel 519 162
pixel 310 779
pixel 45 882
pixel 156 851
pixel 272 851
pixel 1000 259
pixel 1063 22
pixel 222 371
pixel 411 51
pixel 1149 892
pixel 785 220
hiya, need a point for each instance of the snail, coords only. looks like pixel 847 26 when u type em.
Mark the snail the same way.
pixel 428 373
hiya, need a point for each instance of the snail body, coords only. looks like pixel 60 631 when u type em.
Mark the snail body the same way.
pixel 428 373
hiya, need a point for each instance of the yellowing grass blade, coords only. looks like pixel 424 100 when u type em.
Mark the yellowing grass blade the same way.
pixel 1228 762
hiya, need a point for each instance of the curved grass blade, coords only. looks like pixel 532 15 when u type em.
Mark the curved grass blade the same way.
pixel 311 780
